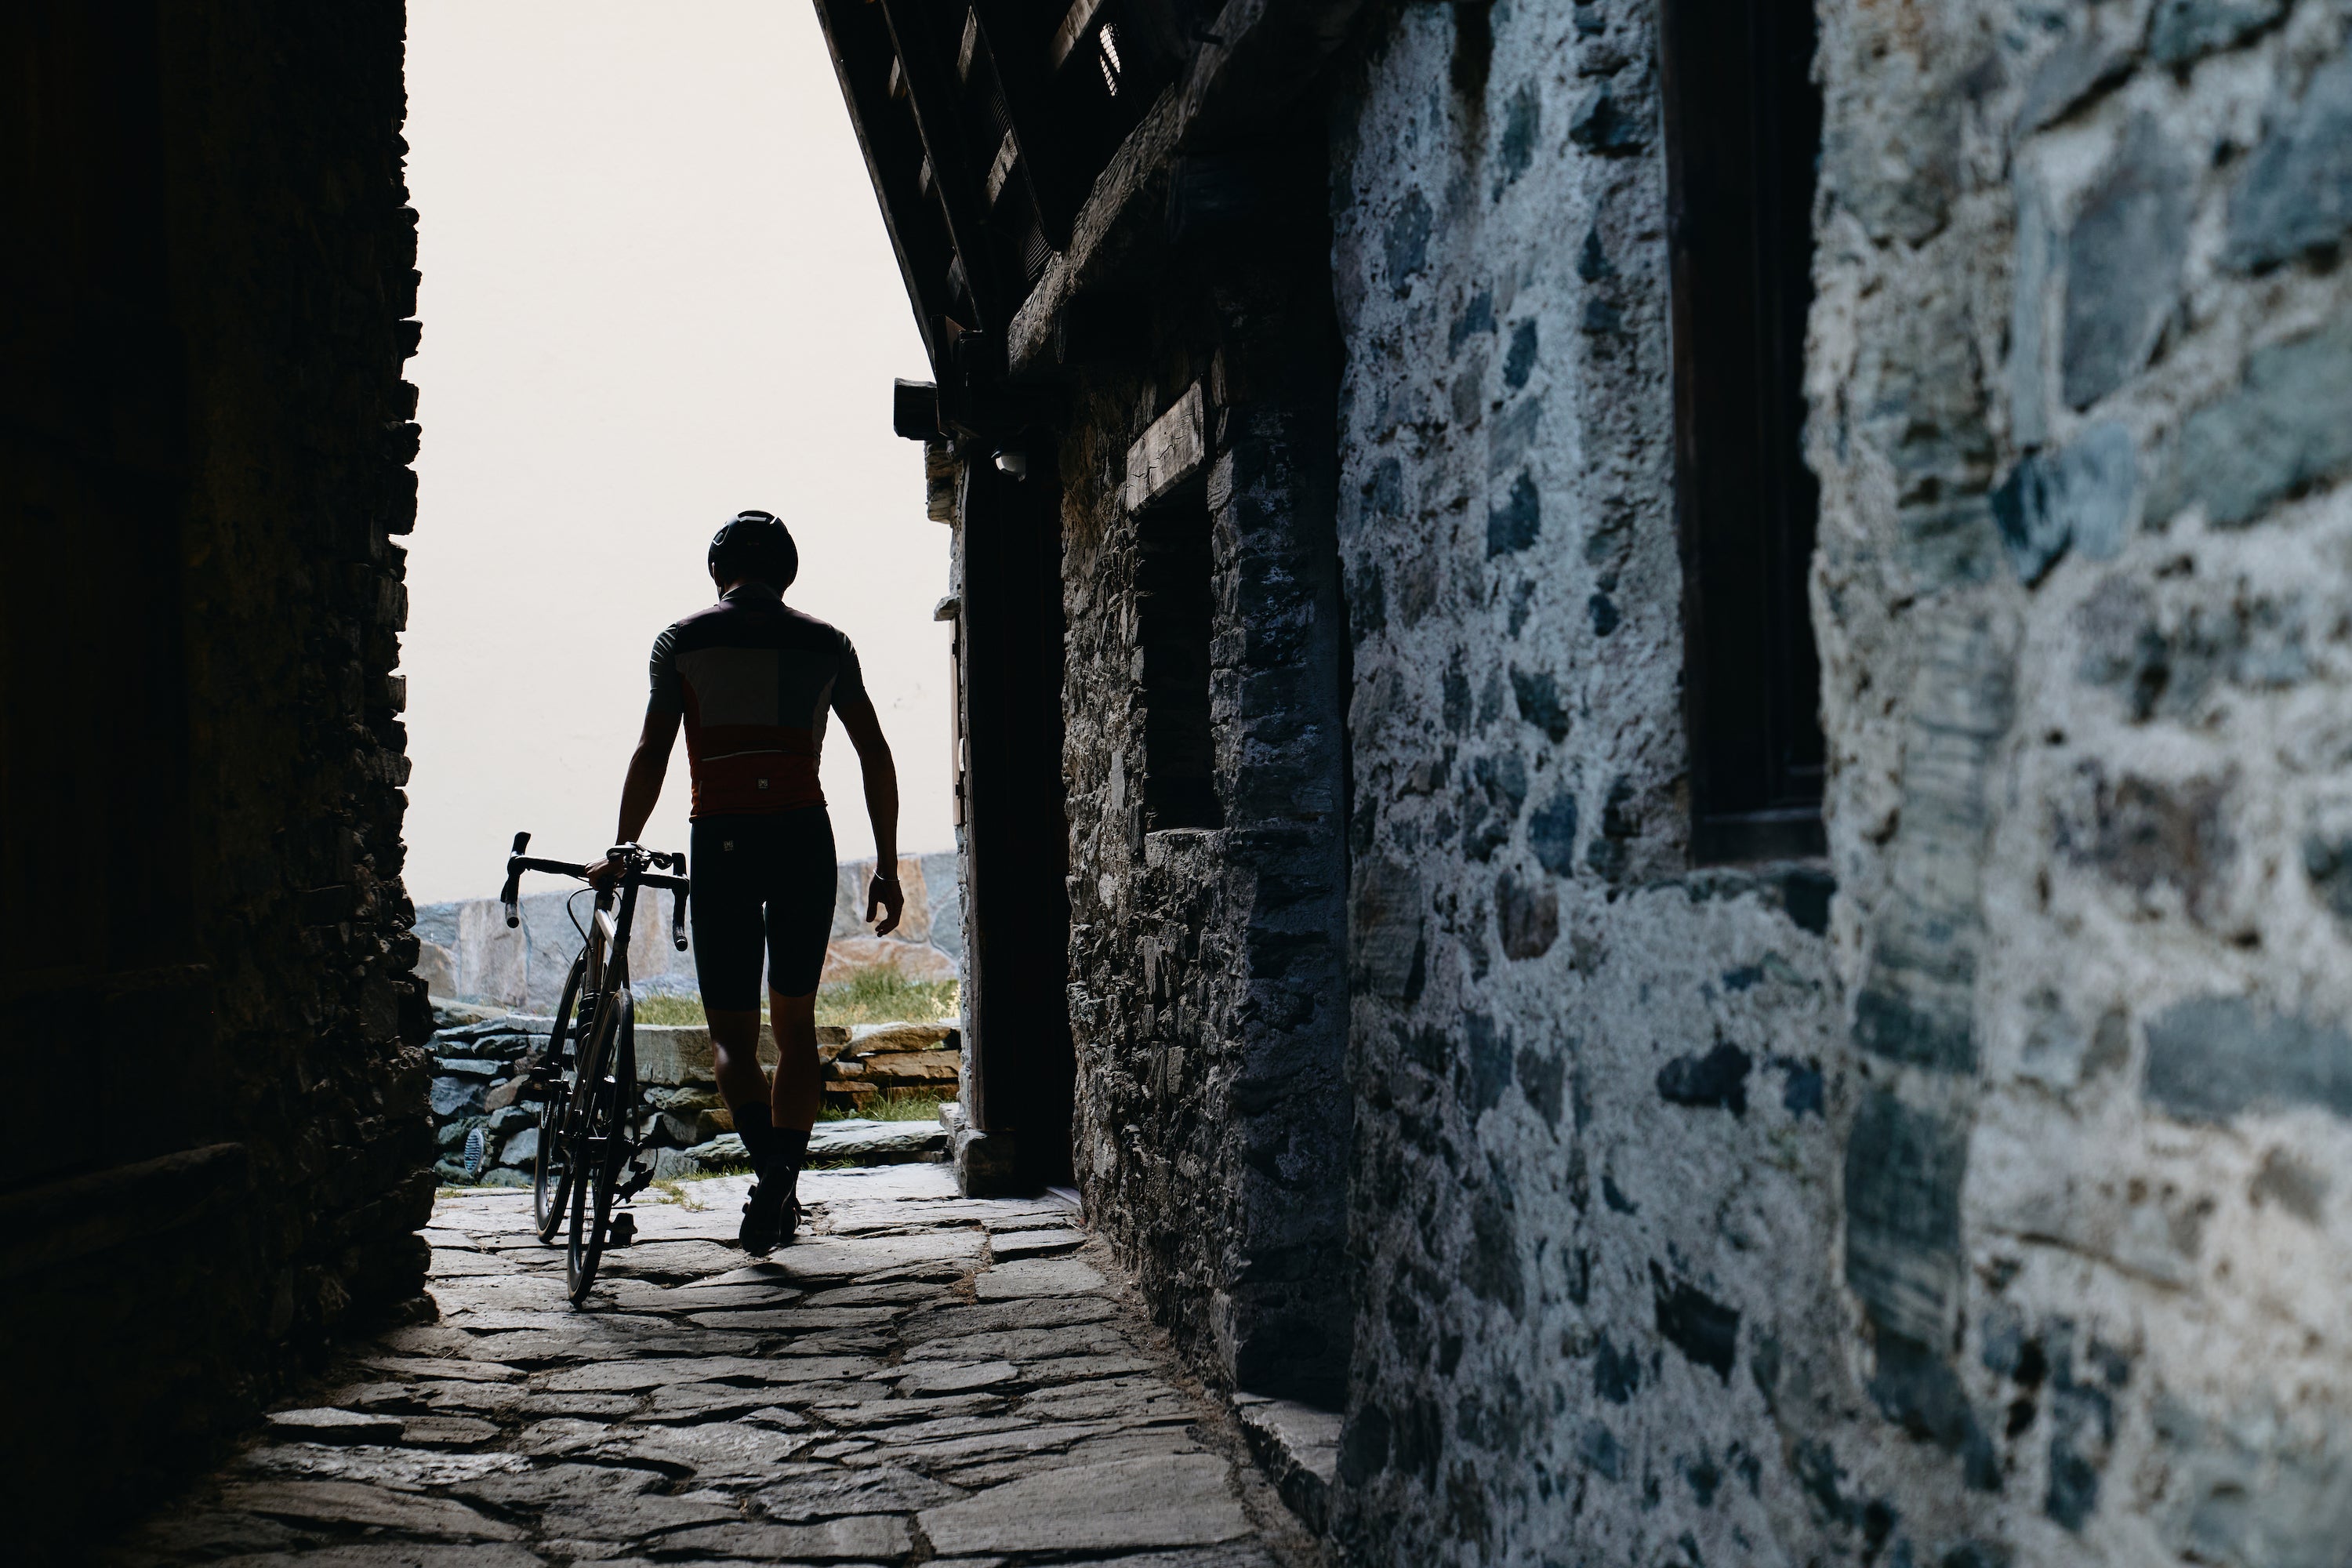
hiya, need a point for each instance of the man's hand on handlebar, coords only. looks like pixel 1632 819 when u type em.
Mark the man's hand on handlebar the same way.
pixel 602 874
pixel 884 893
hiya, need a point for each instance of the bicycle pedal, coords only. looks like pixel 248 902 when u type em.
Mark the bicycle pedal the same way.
pixel 623 1231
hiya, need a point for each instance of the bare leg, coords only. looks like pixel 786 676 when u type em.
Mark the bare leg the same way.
pixel 799 1074
pixel 735 1050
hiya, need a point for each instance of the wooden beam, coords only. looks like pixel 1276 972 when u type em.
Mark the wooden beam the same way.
pixel 1074 26
pixel 1008 153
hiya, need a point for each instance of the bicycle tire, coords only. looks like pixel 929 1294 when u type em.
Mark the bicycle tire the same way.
pixel 551 1173
pixel 596 1170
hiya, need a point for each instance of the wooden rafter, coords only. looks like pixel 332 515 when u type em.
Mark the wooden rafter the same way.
pixel 1023 52
pixel 939 119
pixel 867 68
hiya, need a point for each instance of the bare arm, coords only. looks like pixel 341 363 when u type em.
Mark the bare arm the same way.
pixel 643 786
pixel 881 807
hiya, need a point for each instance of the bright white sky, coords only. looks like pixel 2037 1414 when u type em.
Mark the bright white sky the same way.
pixel 656 290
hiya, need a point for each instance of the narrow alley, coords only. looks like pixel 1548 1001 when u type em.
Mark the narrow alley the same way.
pixel 924 1379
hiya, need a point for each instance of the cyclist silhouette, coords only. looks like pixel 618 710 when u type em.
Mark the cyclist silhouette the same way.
pixel 752 681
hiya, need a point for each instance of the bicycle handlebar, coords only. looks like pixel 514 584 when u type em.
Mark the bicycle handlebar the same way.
pixel 511 894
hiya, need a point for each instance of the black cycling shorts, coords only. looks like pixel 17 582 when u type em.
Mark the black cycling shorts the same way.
pixel 763 889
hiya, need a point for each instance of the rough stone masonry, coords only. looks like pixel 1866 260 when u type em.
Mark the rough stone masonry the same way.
pixel 1995 1210
pixel 1975 1194
pixel 206 444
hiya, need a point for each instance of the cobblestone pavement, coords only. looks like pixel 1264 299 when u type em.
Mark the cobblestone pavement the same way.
pixel 923 1379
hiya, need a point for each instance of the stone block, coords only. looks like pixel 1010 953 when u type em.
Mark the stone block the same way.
pixel 492 960
pixel 2295 194
pixel 437 923
pixel 1904 1167
pixel 2079 497
pixel 436 966
pixel 1300 1448
pixel 2181 30
pixel 676 1054
pixel 914 1069
pixel 521 1149
pixel 2124 258
pixel 862 1143
pixel 2215 1057
pixel 987 1165
pixel 2287 426
pixel 1167 1500
pixel 1385 929
pixel 457 1097
pixel 874 1039
pixel 846 957
pixel 329 1426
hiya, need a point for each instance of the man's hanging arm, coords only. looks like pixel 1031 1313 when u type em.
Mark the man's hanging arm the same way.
pixel 864 730
pixel 641 789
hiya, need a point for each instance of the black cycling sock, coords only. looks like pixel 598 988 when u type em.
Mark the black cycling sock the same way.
pixel 791 1145
pixel 758 1138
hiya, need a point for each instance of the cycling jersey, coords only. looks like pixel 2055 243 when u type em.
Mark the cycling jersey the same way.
pixel 753 680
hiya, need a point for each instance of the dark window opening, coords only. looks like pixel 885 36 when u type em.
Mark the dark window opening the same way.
pixel 1744 130
pixel 1175 607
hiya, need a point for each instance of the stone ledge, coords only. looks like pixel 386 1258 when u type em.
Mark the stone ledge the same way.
pixel 1300 1448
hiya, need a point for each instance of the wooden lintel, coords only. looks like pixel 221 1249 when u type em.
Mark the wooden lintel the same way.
pixel 1169 454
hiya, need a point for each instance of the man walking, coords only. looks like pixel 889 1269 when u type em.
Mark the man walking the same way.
pixel 752 681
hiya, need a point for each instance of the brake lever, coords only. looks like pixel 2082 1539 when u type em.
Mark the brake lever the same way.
pixel 508 895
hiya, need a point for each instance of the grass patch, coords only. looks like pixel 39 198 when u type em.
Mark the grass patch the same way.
pixel 883 995
pixel 890 1105
pixel 877 995
pixel 670 1010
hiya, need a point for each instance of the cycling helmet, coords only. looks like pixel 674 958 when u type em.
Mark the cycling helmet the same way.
pixel 755 545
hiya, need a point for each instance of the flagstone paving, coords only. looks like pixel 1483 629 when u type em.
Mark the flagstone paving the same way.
pixel 923 1379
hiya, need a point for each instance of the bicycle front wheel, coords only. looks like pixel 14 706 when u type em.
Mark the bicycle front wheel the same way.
pixel 551 1174
pixel 601 1145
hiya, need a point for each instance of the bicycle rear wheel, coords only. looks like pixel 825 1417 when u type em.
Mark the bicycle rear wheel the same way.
pixel 601 1143
pixel 550 1176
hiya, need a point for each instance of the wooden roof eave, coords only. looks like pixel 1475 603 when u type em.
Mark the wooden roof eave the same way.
pixel 862 53
pixel 947 140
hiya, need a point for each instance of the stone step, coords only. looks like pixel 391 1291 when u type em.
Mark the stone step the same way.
pixel 1300 1448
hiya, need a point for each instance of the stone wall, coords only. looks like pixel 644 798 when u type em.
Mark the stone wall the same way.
pixel 1205 942
pixel 1992 1210
pixel 479 1081
pixel 469 953
pixel 2082 384
pixel 1598 1092
pixel 206 446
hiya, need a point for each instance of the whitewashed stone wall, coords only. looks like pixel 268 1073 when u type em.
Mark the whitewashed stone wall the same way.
pixel 1994 1211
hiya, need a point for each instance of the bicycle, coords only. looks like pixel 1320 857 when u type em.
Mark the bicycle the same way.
pixel 586 1081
